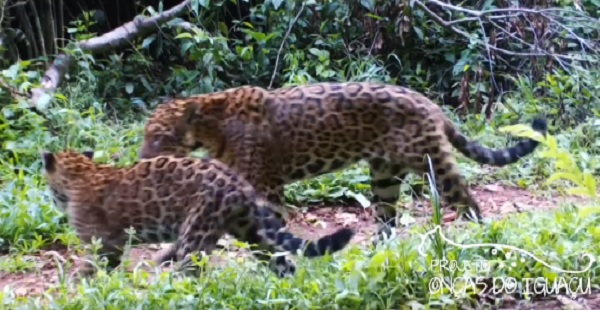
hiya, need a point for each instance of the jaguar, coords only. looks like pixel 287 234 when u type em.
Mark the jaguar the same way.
pixel 188 202
pixel 276 137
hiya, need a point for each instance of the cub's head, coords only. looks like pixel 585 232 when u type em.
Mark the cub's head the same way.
pixel 184 125
pixel 64 171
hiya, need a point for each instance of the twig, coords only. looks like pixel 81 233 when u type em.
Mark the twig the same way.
pixel 495 11
pixel 287 34
pixel 552 17
pixel 490 61
pixel 483 15
pixel 13 92
pixel 441 21
pixel 2 8
pixel 581 41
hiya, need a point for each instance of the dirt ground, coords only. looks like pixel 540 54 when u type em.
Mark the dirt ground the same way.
pixel 495 200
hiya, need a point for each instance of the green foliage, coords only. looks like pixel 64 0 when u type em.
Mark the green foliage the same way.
pixel 566 167
pixel 388 277
pixel 105 102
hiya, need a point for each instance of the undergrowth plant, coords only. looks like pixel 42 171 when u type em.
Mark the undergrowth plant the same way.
pixel 567 168
pixel 104 104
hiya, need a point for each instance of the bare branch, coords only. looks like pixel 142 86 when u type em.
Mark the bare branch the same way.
pixel 119 37
pixel 491 15
pixel 441 21
pixel 476 14
pixel 554 21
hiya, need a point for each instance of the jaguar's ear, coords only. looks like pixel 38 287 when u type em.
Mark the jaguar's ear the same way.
pixel 186 120
pixel 88 154
pixel 48 161
pixel 189 113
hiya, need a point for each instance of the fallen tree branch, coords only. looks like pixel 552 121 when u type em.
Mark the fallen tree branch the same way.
pixel 53 77
pixel 117 38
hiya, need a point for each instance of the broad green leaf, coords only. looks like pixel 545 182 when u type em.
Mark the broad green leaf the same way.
pixel 148 40
pixel 588 211
pixel 378 260
pixel 44 102
pixel 368 4
pixel 523 131
pixel 315 51
pixel 579 191
pixel 223 29
pixel 129 88
pixel 276 4
pixel 364 202
pixel 12 72
pixel 185 35
pixel 563 175
pixel 419 32
pixel 590 183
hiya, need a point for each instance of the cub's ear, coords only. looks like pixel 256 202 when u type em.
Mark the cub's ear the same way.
pixel 48 160
pixel 189 114
pixel 88 154
pixel 186 120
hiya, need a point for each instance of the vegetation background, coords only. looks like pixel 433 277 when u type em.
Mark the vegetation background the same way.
pixel 86 74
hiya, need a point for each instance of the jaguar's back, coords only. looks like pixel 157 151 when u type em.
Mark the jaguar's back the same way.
pixel 276 137
pixel 325 127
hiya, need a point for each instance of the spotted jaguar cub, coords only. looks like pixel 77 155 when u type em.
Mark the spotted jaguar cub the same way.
pixel 277 137
pixel 191 202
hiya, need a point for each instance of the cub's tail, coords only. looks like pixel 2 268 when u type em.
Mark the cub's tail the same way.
pixel 484 155
pixel 275 234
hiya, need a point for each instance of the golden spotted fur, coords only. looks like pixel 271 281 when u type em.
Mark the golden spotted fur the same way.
pixel 191 202
pixel 276 137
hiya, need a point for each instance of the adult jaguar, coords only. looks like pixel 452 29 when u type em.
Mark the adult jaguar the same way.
pixel 276 137
pixel 190 201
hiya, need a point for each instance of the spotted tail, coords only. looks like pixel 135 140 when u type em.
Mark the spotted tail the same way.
pixel 484 155
pixel 275 232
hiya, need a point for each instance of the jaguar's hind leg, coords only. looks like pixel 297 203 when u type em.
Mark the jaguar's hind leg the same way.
pixel 386 179
pixel 198 234
pixel 450 184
